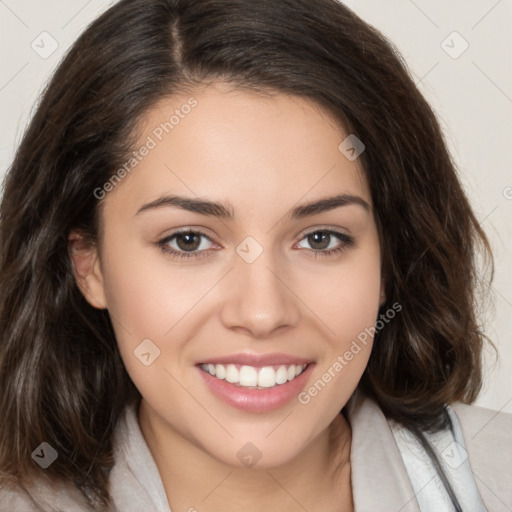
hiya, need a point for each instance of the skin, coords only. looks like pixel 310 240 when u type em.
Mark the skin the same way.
pixel 264 155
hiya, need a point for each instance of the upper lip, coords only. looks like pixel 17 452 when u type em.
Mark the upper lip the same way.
pixel 257 360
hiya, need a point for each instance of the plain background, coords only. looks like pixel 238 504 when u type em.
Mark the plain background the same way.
pixel 466 76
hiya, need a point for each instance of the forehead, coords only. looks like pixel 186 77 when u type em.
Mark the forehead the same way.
pixel 253 150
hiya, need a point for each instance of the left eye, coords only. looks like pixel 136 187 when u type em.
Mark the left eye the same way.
pixel 320 240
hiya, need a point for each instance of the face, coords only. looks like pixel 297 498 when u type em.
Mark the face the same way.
pixel 237 320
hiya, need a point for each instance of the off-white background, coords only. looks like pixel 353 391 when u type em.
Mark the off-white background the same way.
pixel 472 95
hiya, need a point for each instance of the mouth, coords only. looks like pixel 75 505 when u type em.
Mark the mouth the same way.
pixel 256 383
pixel 253 377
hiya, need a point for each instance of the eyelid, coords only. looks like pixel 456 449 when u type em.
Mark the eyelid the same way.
pixel 168 233
pixel 326 229
pixel 339 231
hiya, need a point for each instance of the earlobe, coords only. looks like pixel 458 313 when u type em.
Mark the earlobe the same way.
pixel 87 269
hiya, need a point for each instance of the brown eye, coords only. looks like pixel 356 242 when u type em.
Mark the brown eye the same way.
pixel 322 242
pixel 188 241
pixel 185 244
pixel 319 240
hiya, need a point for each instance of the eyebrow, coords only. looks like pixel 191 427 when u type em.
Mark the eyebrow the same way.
pixel 226 211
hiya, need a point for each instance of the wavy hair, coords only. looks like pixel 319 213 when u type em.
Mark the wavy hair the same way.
pixel 62 379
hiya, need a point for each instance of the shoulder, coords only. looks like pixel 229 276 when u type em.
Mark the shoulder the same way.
pixel 482 422
pixel 42 496
pixel 488 443
pixel 484 436
pixel 488 436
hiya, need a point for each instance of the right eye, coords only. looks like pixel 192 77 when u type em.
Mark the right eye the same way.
pixel 184 244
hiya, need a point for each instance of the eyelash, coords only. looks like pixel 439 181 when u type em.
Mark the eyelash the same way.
pixel 347 241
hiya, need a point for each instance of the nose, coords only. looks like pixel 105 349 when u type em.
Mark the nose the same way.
pixel 260 298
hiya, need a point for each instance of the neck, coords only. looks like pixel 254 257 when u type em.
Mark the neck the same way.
pixel 318 478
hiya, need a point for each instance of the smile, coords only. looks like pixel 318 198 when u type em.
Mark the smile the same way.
pixel 256 384
pixel 254 377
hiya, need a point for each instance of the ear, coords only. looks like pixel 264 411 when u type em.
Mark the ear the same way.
pixel 87 269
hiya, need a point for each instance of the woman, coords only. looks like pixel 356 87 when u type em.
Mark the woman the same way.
pixel 227 222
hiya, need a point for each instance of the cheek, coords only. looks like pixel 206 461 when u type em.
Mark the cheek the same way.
pixel 346 296
pixel 357 306
pixel 346 301
pixel 151 299
pixel 142 305
pixel 143 295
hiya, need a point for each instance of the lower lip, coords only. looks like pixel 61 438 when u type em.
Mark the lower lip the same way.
pixel 257 400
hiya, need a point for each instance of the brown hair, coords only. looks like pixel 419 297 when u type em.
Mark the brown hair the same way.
pixel 62 379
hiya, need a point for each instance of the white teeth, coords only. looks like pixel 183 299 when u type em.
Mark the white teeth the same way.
pixel 232 374
pixel 220 371
pixel 249 376
pixel 281 375
pixel 267 377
